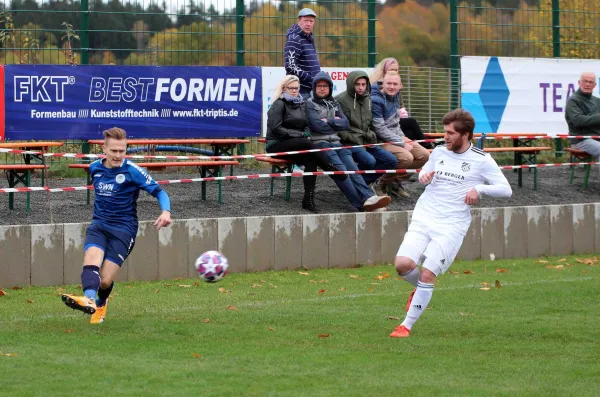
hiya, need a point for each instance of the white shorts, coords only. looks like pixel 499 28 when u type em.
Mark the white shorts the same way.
pixel 436 251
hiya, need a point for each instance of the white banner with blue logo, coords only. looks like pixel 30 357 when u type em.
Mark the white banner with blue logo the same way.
pixel 78 102
pixel 509 95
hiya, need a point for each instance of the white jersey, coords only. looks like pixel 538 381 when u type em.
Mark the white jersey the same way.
pixel 443 202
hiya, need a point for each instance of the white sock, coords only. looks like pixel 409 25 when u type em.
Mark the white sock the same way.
pixel 419 304
pixel 412 276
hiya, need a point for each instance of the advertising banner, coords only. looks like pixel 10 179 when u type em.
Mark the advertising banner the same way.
pixel 521 94
pixel 46 102
pixel 271 76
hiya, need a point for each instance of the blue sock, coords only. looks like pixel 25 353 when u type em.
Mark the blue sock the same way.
pixel 90 281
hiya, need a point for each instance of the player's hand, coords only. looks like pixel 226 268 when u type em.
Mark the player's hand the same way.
pixel 163 220
pixel 472 197
pixel 408 146
pixel 426 178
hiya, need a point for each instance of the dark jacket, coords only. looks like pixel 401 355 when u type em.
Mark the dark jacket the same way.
pixel 357 109
pixel 324 108
pixel 386 120
pixel 286 120
pixel 583 114
pixel 301 57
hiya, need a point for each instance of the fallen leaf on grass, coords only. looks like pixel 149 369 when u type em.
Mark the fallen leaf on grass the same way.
pixel 196 284
pixel 131 286
pixel 206 320
pixel 323 281
pixel 17 288
pixel 354 276
pixel 166 285
pixel 370 289
pixel 542 261
pixel 464 314
pixel 568 264
pixel 156 291
pixel 270 329
pixel 498 285
pixel 485 284
pixel 59 289
pixel 2 293
pixel 342 289
pixel 263 281
pixel 323 335
pixel 196 355
pixel 485 288
pixel 68 331
pixel 223 290
pixel 256 286
pixel 185 285
pixel 9 354
pixel 453 272
pixel 586 271
pixel 485 269
pixel 312 281
pixel 562 260
pixel 468 272
pixel 379 278
pixel 30 301
pixel 304 273
pixel 274 286
pixel 231 307
pixel 555 267
pixel 500 270
pixel 393 318
pixel 321 292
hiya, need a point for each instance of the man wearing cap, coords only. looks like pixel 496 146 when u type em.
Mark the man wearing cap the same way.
pixel 300 53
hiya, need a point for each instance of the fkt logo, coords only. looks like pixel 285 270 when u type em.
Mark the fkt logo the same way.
pixel 41 88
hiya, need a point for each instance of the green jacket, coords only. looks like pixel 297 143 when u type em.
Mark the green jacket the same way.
pixel 583 114
pixel 358 110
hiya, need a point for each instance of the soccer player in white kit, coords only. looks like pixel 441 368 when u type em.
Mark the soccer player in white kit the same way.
pixel 455 176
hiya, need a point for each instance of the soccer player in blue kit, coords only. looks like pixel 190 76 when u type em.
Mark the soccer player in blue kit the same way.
pixel 111 235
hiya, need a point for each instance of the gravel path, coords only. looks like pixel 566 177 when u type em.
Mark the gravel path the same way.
pixel 251 197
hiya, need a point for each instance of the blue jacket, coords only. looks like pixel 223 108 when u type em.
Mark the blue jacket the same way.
pixel 386 120
pixel 301 57
pixel 117 190
pixel 318 109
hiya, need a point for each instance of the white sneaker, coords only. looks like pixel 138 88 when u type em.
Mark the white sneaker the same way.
pixel 375 202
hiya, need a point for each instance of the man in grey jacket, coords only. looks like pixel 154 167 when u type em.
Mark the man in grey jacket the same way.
pixel 583 115
pixel 386 124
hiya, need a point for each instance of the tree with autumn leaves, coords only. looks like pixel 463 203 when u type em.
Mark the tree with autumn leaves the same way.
pixel 416 32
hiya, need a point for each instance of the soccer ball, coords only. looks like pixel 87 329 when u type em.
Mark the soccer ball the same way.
pixel 212 266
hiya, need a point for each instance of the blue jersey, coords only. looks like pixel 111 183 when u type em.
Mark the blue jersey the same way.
pixel 117 190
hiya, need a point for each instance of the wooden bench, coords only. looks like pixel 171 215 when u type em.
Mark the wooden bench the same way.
pixel 279 166
pixel 524 155
pixel 583 156
pixel 207 169
pixel 20 173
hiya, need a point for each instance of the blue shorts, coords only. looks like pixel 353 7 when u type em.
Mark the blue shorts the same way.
pixel 116 245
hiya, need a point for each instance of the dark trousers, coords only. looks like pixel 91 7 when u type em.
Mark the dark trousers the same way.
pixel 413 131
pixel 310 161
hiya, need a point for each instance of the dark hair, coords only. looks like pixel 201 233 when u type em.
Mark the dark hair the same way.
pixel 464 123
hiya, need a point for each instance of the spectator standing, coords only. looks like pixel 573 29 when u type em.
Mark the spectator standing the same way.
pixel 300 53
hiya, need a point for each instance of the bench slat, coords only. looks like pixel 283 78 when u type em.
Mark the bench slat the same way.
pixel 16 167
pixel 516 149
pixel 272 160
pixel 172 164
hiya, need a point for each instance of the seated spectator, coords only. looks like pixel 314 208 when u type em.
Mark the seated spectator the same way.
pixel 386 123
pixel 287 130
pixel 355 103
pixel 326 120
pixel 583 115
pixel 409 125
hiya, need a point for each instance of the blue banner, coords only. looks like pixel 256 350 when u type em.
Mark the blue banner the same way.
pixel 45 102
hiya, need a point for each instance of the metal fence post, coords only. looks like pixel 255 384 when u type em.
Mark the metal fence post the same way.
pixel 371 33
pixel 239 32
pixel 454 59
pixel 556 54
pixel 84 31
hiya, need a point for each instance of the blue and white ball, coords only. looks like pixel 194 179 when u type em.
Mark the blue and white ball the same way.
pixel 212 266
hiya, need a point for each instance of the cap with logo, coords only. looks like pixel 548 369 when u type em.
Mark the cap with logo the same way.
pixel 306 12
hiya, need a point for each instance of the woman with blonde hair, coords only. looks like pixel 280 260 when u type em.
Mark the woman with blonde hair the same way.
pixel 287 130
pixel 409 125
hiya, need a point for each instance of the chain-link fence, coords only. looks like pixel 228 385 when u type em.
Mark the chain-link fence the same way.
pixel 181 32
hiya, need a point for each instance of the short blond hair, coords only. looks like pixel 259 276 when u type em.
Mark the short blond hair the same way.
pixel 115 133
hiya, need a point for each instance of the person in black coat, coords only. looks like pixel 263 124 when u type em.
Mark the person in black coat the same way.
pixel 287 130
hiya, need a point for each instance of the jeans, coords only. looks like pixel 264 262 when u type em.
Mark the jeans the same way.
pixel 373 158
pixel 354 188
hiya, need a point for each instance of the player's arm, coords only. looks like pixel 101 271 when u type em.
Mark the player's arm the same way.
pixel 428 170
pixel 149 185
pixel 497 186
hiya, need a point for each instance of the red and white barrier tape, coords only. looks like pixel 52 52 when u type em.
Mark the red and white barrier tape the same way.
pixel 251 156
pixel 274 175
